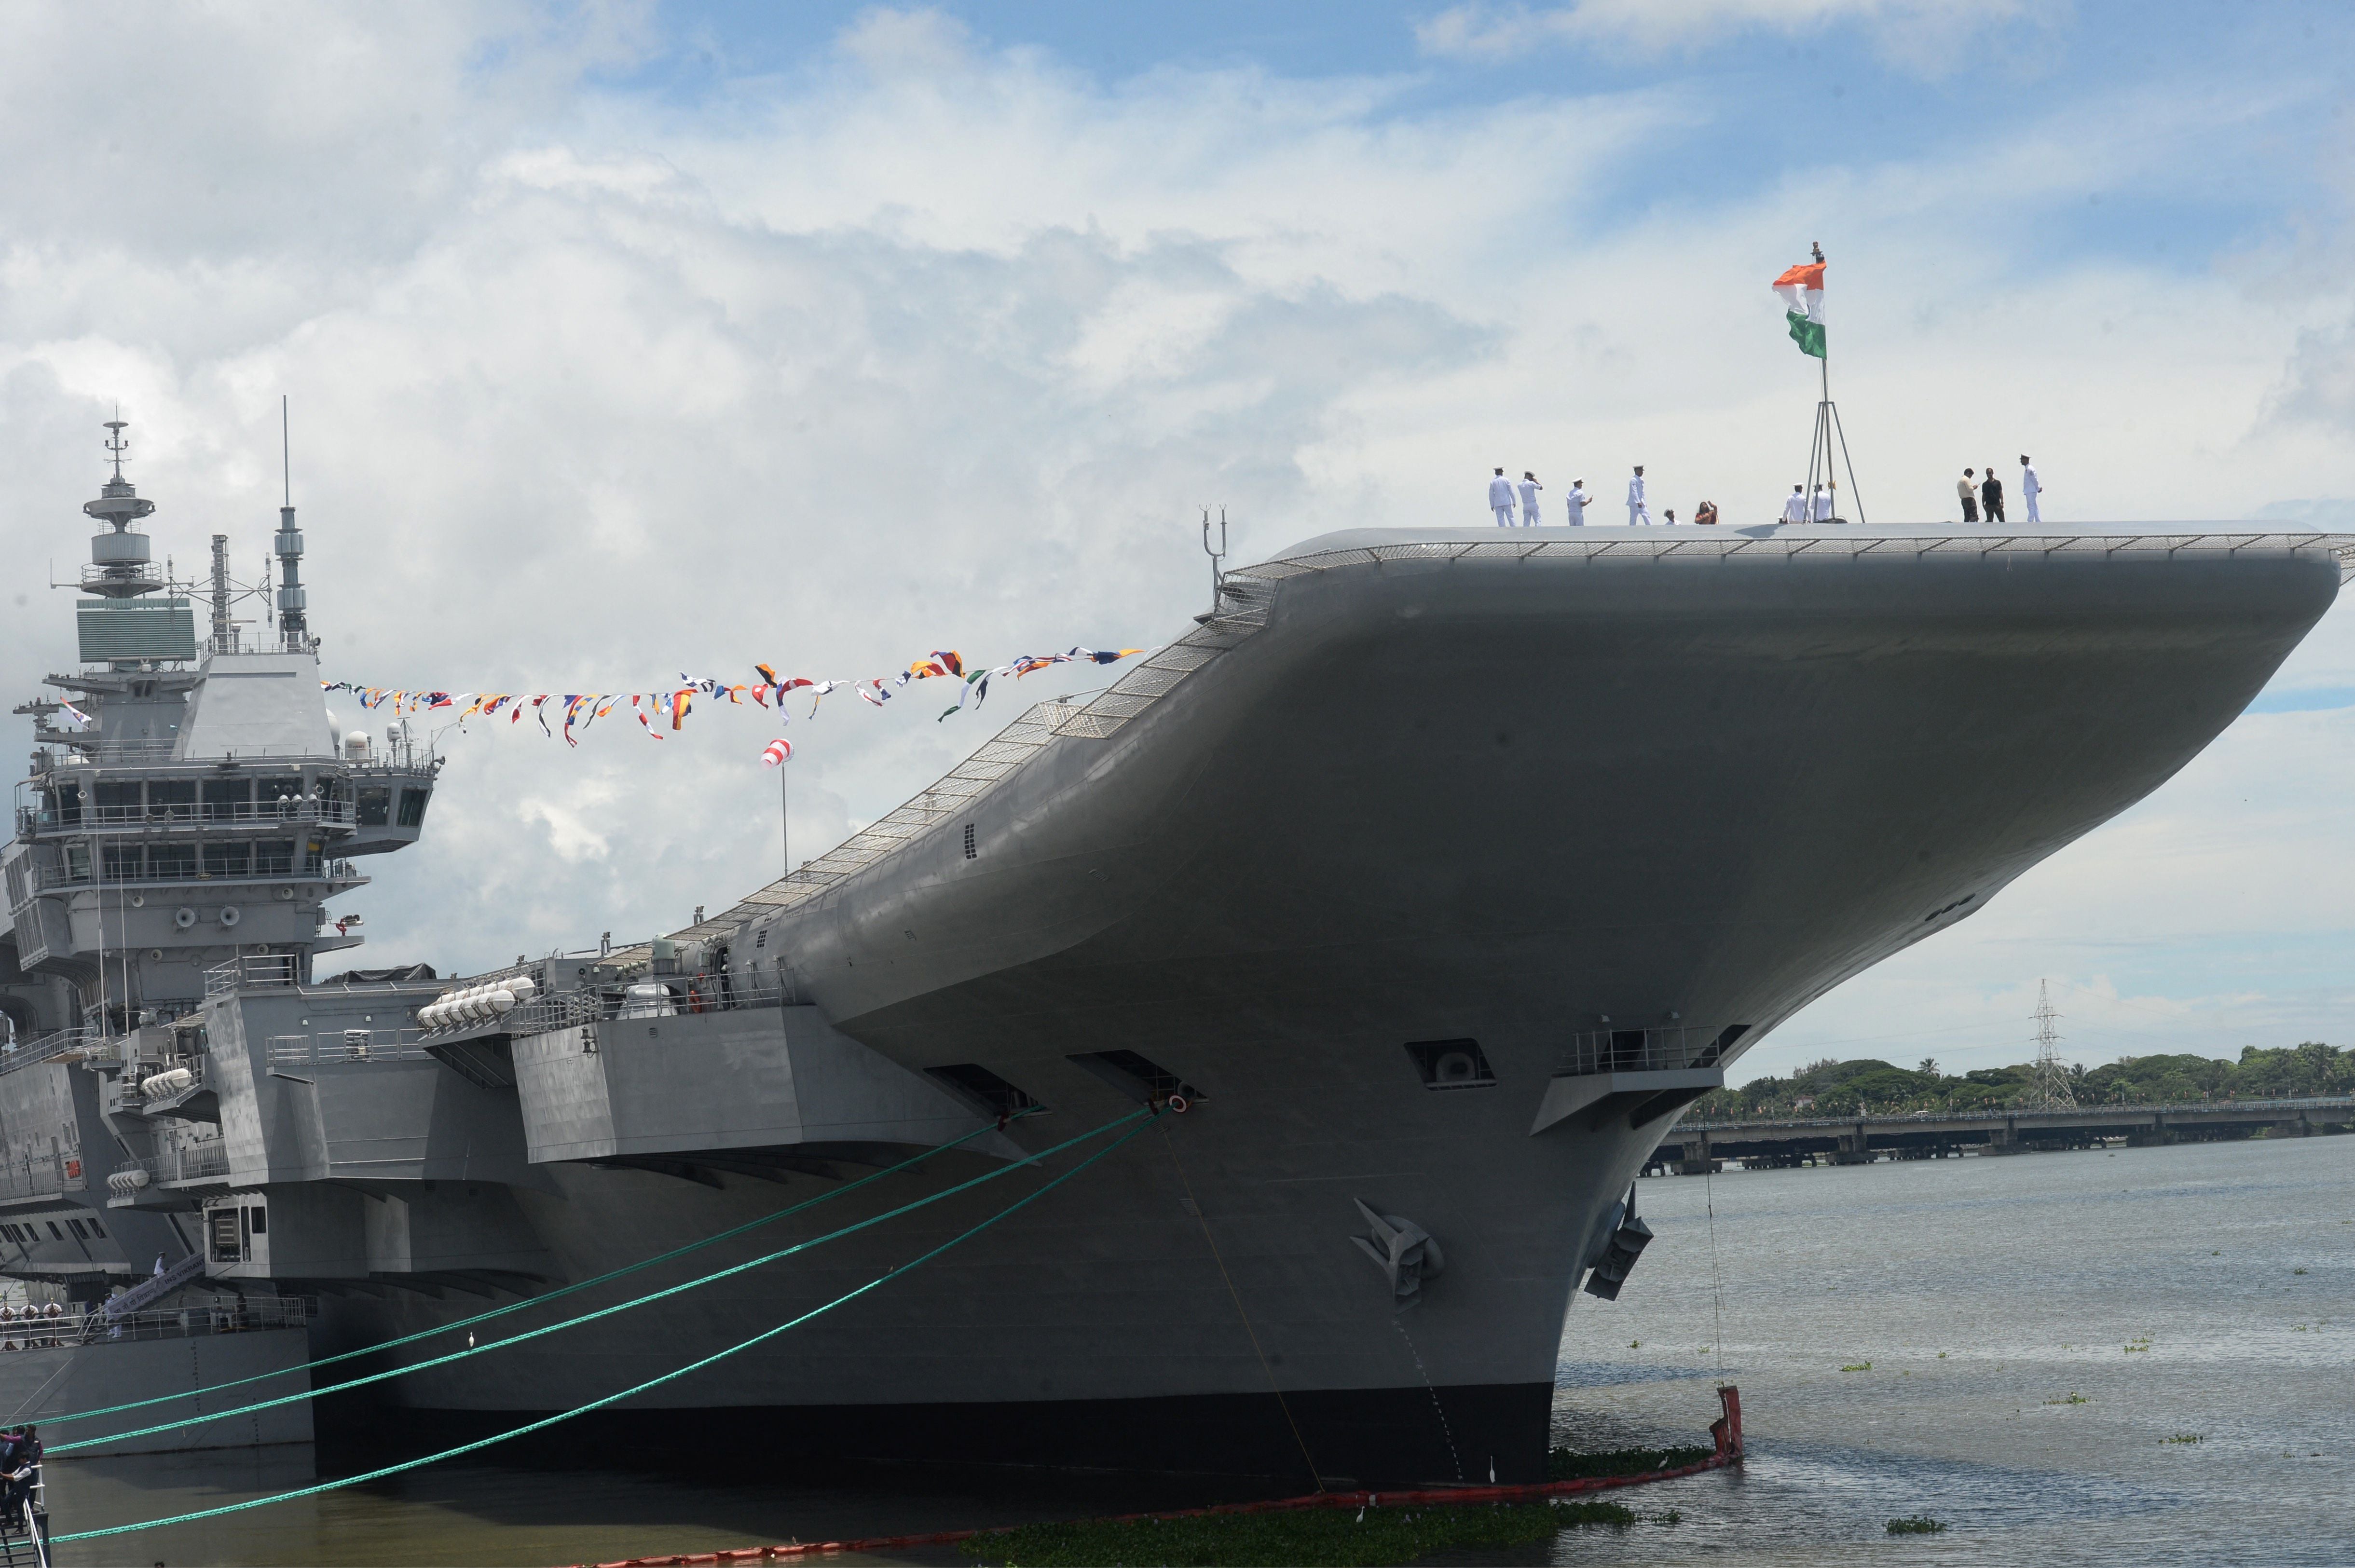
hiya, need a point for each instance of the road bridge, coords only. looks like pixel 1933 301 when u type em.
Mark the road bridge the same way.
pixel 1699 1146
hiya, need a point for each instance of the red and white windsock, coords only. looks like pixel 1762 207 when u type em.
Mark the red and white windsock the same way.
pixel 776 752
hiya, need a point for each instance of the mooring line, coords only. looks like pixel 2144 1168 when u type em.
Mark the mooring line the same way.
pixel 717 1356
pixel 680 1288
pixel 544 1296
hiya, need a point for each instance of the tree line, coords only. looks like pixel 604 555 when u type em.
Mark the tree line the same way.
pixel 2308 1071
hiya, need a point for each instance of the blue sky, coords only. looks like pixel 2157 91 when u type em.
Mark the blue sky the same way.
pixel 626 339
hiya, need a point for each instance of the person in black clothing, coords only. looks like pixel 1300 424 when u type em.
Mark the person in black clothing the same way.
pixel 20 1451
pixel 1991 497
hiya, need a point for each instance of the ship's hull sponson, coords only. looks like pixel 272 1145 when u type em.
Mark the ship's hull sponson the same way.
pixel 1494 800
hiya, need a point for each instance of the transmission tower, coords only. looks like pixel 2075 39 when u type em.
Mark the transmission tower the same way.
pixel 2049 1087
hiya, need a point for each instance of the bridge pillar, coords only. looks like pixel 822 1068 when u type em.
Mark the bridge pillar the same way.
pixel 2006 1138
pixel 1854 1148
pixel 1698 1160
pixel 2295 1129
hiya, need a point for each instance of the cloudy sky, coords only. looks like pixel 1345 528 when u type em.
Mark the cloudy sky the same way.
pixel 624 340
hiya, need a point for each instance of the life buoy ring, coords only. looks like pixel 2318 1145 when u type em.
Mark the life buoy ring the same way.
pixel 1179 1103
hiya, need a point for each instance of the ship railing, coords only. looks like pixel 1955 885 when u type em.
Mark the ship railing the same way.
pixel 245 1315
pixel 43 1047
pixel 1671 1047
pixel 249 971
pixel 682 995
pixel 333 812
pixel 41 1175
pixel 201 1159
pixel 328 1047
pixel 127 751
pixel 131 1091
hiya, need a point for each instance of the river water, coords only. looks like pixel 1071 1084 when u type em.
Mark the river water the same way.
pixel 2005 1344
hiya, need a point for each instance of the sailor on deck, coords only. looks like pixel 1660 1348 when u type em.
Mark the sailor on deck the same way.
pixel 1528 488
pixel 1819 507
pixel 1638 509
pixel 2030 487
pixel 1795 511
pixel 1500 500
pixel 1579 501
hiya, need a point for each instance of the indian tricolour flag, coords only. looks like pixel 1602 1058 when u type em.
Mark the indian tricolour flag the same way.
pixel 1801 289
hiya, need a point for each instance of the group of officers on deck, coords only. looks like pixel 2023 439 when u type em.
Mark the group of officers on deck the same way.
pixel 1514 502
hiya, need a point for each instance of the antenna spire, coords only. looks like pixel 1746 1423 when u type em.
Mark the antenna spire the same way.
pixel 116 445
pixel 293 624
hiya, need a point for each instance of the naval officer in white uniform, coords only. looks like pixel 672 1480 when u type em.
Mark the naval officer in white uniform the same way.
pixel 1795 511
pixel 2030 487
pixel 1579 501
pixel 1528 488
pixel 1639 511
pixel 1500 500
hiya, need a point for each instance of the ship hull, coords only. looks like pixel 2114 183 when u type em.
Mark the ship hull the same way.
pixel 1544 807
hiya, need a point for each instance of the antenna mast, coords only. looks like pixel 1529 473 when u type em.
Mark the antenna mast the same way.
pixel 294 626
pixel 224 639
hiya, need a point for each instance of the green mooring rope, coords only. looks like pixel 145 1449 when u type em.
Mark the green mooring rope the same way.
pixel 717 1356
pixel 601 1312
pixel 546 1296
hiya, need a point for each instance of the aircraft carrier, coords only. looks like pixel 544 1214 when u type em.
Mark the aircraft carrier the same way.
pixel 1434 871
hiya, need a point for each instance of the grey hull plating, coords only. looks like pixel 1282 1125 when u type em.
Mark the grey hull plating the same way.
pixel 1533 803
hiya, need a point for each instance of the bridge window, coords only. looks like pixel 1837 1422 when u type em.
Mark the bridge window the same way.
pixel 75 1225
pixel 94 1229
pixel 375 805
pixel 172 797
pixel 55 1234
pixel 228 799
pixel 119 801
pixel 412 806
pixel 281 796
pixel 173 860
pixel 124 863
pixel 228 859
pixel 273 858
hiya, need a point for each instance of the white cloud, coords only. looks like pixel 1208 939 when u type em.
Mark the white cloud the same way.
pixel 932 343
pixel 1922 33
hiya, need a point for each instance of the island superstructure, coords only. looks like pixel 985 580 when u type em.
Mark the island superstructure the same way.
pixel 1435 872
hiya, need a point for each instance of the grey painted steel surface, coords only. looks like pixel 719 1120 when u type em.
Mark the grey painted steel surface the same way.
pixel 38 1383
pixel 1498 796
